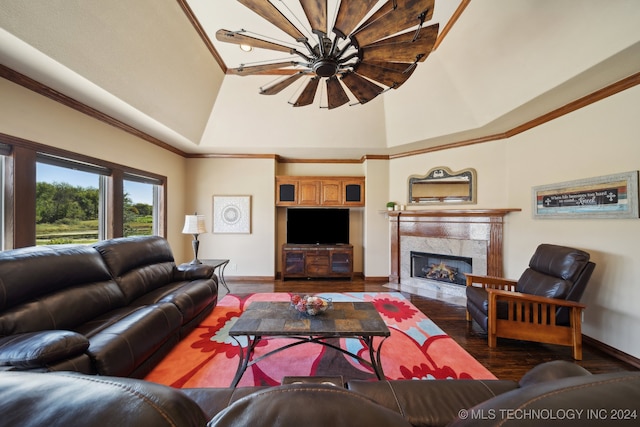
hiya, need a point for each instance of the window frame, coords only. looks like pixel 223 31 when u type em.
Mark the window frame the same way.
pixel 157 196
pixel 20 190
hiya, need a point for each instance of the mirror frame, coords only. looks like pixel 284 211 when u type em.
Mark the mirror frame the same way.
pixel 444 173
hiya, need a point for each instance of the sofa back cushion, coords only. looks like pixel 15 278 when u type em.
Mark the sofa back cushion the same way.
pixel 54 287
pixel 309 405
pixel 66 399
pixel 138 264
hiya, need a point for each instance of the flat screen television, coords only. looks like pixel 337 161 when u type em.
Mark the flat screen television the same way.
pixel 324 226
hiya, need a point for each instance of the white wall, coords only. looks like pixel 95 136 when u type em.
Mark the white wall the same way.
pixel 376 231
pixel 250 254
pixel 598 140
pixel 30 116
pixel 488 159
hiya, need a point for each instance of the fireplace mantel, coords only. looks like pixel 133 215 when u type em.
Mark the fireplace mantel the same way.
pixel 463 224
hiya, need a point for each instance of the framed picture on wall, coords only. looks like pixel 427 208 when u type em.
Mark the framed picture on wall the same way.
pixel 610 196
pixel 232 214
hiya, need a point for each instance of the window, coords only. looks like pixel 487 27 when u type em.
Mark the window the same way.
pixel 54 196
pixel 69 200
pixel 141 205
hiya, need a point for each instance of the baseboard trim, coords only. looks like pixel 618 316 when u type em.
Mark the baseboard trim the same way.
pixel 376 279
pixel 249 278
pixel 611 351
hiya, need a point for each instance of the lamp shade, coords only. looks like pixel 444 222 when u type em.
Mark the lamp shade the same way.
pixel 194 224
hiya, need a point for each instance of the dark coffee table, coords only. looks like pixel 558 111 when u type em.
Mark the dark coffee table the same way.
pixel 264 320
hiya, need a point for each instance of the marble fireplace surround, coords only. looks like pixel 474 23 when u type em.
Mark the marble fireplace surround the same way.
pixel 474 233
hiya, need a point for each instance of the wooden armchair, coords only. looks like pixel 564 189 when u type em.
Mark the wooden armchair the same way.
pixel 542 306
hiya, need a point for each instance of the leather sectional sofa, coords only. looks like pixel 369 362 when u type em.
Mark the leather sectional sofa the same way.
pixel 554 393
pixel 115 308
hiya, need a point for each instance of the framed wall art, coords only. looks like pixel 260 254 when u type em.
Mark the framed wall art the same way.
pixel 610 196
pixel 232 214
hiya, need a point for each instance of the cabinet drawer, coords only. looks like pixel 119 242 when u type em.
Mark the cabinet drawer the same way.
pixel 315 269
pixel 318 259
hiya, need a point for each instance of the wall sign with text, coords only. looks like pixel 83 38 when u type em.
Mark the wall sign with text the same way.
pixel 610 196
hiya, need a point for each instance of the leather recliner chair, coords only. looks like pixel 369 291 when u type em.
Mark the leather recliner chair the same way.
pixel 543 305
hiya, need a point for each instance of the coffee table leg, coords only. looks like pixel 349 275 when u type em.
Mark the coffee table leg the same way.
pixel 221 274
pixel 245 357
pixel 374 355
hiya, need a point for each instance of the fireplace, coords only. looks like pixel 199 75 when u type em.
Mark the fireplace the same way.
pixel 468 234
pixel 441 267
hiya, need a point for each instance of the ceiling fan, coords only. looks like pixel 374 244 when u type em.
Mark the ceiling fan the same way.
pixel 366 51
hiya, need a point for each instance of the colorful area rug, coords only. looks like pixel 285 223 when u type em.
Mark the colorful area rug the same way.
pixel 416 349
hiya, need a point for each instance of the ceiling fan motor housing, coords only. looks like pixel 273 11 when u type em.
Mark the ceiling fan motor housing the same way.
pixel 325 67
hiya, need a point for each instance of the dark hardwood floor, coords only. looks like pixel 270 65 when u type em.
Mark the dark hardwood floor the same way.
pixel 510 360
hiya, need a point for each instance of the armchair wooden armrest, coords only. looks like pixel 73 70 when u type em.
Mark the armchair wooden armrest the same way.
pixel 491 282
pixel 533 318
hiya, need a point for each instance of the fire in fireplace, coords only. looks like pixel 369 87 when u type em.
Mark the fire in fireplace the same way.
pixel 443 268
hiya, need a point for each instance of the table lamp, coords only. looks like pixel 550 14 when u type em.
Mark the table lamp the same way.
pixel 194 224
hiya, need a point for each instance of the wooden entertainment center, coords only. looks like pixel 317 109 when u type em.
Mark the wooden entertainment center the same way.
pixel 313 261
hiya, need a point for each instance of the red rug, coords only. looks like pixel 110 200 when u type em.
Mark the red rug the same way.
pixel 416 349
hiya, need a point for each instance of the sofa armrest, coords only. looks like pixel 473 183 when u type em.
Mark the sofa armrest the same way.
pixel 193 272
pixel 39 349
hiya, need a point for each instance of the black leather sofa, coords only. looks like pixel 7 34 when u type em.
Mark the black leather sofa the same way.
pixel 554 393
pixel 115 308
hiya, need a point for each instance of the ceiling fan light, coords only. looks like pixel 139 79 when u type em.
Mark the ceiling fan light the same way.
pixel 246 48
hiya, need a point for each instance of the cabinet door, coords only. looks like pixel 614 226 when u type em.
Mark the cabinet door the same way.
pixel 331 193
pixel 308 193
pixel 287 193
pixel 341 262
pixel 293 263
pixel 353 192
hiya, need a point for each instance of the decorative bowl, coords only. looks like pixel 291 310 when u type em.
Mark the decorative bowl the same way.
pixel 311 305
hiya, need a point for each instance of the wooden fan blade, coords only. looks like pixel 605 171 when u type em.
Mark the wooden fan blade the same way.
pixel 308 94
pixel 388 21
pixel 403 47
pixel 316 11
pixel 271 13
pixel 363 89
pixel 336 96
pixel 276 88
pixel 260 69
pixel 350 14
pixel 237 38
pixel 392 74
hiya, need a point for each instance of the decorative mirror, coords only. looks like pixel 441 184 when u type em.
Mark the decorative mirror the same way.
pixel 442 186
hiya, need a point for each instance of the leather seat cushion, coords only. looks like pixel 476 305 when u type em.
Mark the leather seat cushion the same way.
pixel 191 298
pixel 118 349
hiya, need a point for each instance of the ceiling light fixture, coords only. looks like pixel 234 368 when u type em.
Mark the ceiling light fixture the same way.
pixel 246 48
pixel 368 52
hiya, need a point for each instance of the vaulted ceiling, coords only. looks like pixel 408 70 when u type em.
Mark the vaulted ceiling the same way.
pixel 155 67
